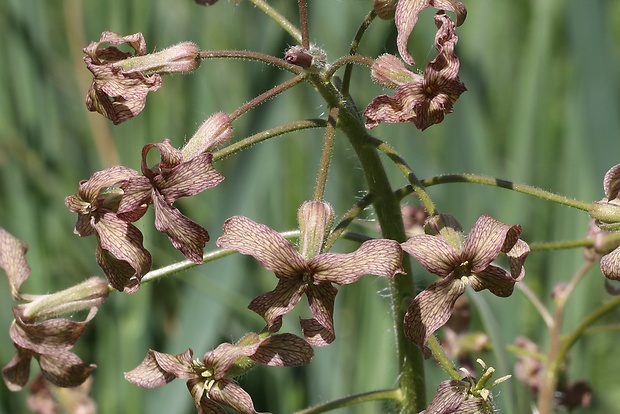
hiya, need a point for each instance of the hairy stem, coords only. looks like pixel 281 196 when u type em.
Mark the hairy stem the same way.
pixel 328 149
pixel 393 394
pixel 278 18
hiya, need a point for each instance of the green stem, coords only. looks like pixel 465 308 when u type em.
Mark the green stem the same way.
pixel 496 182
pixel 417 186
pixel 561 245
pixel 393 394
pixel 265 96
pixel 346 80
pixel 328 149
pixel 252 56
pixel 278 18
pixel 440 356
pixel 265 135
pixel 387 209
pixel 557 350
pixel 347 60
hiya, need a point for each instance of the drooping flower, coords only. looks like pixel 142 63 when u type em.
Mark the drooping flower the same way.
pixel 607 218
pixel 120 252
pixel 310 272
pixel 38 331
pixel 406 17
pixel 211 381
pixel 123 79
pixel 172 178
pixel 458 265
pixel 423 100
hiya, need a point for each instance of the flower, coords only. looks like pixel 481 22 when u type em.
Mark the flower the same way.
pixel 460 265
pixel 607 218
pixel 211 381
pixel 406 17
pixel 114 93
pixel 454 397
pixel 423 100
pixel 174 177
pixel 310 272
pixel 37 330
pixel 120 252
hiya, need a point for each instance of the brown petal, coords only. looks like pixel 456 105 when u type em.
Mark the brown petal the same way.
pixel 610 265
pixel 189 178
pixel 434 253
pixel 267 246
pixel 398 109
pixel 230 394
pixel 283 350
pixel 611 183
pixel 272 305
pixel 448 397
pixel 485 241
pixel 516 257
pixel 222 358
pixel 136 41
pixel 159 369
pixel 497 280
pixel 381 257
pixel 50 336
pixel 431 309
pixel 319 331
pixel 184 234
pixel 17 371
pixel 13 261
pixel 64 369
pixel 406 17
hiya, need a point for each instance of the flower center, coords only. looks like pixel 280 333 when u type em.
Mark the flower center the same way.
pixel 462 270
pixel 306 277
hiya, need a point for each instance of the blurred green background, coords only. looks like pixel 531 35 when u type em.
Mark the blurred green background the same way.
pixel 542 108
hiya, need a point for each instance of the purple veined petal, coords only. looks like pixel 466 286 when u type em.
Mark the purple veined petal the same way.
pixel 120 274
pixel 448 397
pixel 283 350
pixel 185 235
pixel 17 371
pixel 159 369
pixel 137 192
pixel 189 178
pixel 231 395
pixel 64 369
pixel 170 157
pixel 13 261
pixel 222 358
pixel 204 405
pixel 396 109
pixel 319 331
pixel 516 258
pixel 267 246
pixel 495 279
pixel 611 183
pixel 484 242
pixel 431 309
pixel 89 189
pixel 374 257
pixel 272 305
pixel 405 18
pixel 610 265
pixel 434 253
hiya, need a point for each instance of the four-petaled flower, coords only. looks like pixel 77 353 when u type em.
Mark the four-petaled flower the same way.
pixel 424 100
pixel 174 177
pixel 37 330
pixel 210 381
pixel 455 397
pixel 309 272
pixel 460 265
pixel 120 252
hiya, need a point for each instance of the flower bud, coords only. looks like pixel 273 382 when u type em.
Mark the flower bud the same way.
pixel 91 293
pixel 390 72
pixel 607 214
pixel 447 227
pixel 181 58
pixel 385 9
pixel 211 133
pixel 315 221
pixel 313 60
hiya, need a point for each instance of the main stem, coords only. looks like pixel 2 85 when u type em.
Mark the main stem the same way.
pixel 387 209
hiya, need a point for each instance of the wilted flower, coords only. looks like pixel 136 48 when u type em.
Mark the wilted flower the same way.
pixel 424 100
pixel 46 398
pixel 310 272
pixel 406 17
pixel 38 331
pixel 122 79
pixel 460 265
pixel 607 217
pixel 211 381
pixel 120 252
pixel 174 177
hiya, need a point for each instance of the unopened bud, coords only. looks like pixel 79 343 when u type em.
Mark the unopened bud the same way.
pixel 315 221
pixel 213 132
pixel 181 58
pixel 447 227
pixel 390 72
pixel 313 60
pixel 607 214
